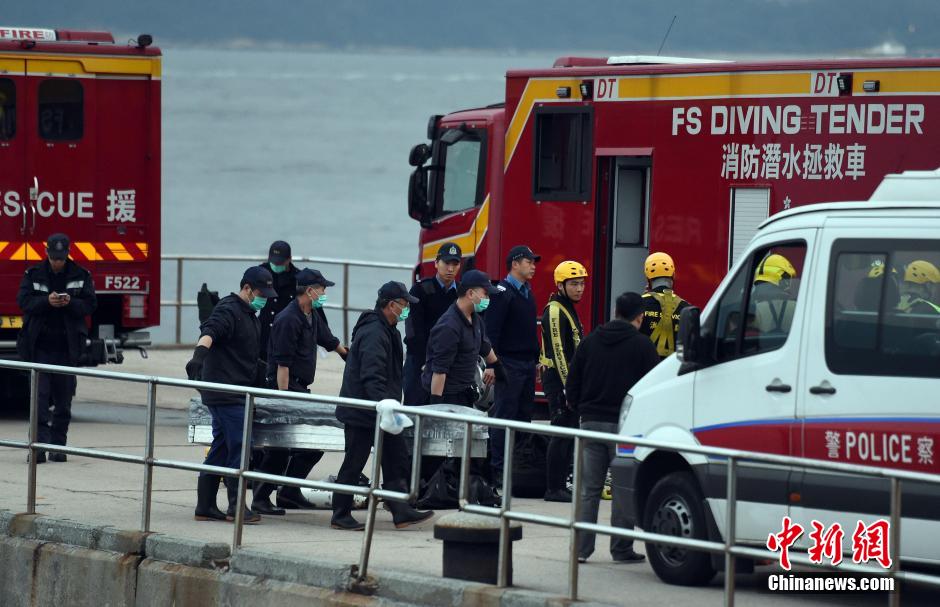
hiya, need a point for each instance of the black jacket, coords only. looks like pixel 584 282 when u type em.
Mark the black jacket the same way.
pixel 455 347
pixel 434 301
pixel 233 357
pixel 551 378
pixel 373 367
pixel 39 316
pixel 293 343
pixel 285 284
pixel 511 323
pixel 606 365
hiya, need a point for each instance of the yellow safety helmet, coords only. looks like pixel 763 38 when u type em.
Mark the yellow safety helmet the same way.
pixel 659 265
pixel 567 270
pixel 774 268
pixel 921 272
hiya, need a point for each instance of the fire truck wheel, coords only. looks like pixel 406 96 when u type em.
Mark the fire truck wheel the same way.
pixel 675 507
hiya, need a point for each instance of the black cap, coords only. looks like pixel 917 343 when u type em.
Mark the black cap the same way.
pixel 396 290
pixel 521 252
pixel 57 247
pixel 476 278
pixel 259 278
pixel 308 277
pixel 449 251
pixel 279 252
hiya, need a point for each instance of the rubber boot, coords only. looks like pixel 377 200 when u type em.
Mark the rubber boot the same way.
pixel 207 487
pixel 261 499
pixel 250 518
pixel 300 465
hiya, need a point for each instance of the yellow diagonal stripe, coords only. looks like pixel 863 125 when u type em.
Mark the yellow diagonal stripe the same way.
pixel 144 248
pixel 535 90
pixel 31 254
pixel 468 241
pixel 119 251
pixel 715 85
pixel 88 250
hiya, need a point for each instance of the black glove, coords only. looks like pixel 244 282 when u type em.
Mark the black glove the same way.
pixel 436 399
pixel 194 366
pixel 499 371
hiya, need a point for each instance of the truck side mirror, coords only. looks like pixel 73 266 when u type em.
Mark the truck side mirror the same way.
pixel 689 349
pixel 418 207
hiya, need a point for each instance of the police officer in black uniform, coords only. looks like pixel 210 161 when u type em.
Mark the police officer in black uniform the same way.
pixel 56 296
pixel 457 341
pixel 435 295
pixel 227 353
pixel 511 328
pixel 292 365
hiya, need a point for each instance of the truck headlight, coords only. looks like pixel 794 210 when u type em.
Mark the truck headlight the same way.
pixel 625 410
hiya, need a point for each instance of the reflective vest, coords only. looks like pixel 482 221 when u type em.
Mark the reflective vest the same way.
pixel 560 363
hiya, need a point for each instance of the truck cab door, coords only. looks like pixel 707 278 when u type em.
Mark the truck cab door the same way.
pixel 745 397
pixel 61 124
pixel 14 202
pixel 870 382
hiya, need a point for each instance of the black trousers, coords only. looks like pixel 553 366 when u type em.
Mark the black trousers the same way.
pixel 54 398
pixel 358 447
pixel 295 463
pixel 560 453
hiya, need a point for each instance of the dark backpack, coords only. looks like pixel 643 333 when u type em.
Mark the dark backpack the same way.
pixel 529 465
pixel 442 490
pixel 206 300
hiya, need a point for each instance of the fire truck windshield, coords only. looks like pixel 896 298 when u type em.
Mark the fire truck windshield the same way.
pixel 464 173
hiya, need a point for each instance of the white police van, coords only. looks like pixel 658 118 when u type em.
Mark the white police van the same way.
pixel 836 358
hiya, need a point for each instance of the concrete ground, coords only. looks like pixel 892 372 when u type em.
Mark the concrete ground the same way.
pixel 107 415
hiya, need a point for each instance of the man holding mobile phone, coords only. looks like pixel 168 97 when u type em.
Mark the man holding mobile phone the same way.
pixel 56 296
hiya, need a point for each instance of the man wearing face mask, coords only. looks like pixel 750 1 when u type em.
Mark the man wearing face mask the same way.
pixel 285 272
pixel 374 372
pixel 457 341
pixel 227 353
pixel 292 365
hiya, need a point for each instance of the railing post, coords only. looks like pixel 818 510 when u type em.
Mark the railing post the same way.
pixel 245 461
pixel 463 492
pixel 33 432
pixel 345 304
pixel 179 301
pixel 575 506
pixel 894 537
pixel 373 501
pixel 505 544
pixel 731 512
pixel 148 455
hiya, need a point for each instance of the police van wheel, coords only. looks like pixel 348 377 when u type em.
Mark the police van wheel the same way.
pixel 674 507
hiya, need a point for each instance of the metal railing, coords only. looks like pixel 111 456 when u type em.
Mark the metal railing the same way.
pixel 179 303
pixel 734 460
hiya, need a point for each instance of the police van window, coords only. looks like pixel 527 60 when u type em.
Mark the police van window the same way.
pixel 755 314
pixel 883 308
pixel 7 109
pixel 562 154
pixel 461 175
pixel 61 110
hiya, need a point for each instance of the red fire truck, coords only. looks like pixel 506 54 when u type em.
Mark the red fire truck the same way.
pixel 80 154
pixel 605 160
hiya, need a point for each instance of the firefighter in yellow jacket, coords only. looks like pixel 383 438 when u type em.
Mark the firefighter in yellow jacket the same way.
pixel 662 305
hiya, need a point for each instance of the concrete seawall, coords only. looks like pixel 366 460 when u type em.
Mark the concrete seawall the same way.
pixel 48 561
